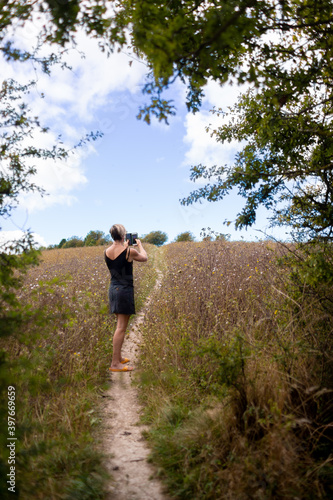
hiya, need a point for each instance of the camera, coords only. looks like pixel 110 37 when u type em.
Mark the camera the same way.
pixel 131 237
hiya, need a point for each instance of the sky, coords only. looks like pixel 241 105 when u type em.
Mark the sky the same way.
pixel 135 174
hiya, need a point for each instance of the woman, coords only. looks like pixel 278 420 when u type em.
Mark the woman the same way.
pixel 119 259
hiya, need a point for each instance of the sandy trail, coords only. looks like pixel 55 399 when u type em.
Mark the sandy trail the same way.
pixel 123 441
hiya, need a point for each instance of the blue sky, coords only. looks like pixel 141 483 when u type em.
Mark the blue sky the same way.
pixel 135 174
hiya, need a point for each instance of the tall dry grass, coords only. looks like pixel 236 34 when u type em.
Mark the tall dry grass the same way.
pixel 235 378
pixel 59 365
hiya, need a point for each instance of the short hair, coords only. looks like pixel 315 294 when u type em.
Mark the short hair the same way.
pixel 117 232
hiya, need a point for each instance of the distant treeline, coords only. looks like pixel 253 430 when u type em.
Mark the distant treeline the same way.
pixel 158 238
pixel 93 238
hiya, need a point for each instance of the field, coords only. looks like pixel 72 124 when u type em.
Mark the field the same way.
pixel 59 367
pixel 235 373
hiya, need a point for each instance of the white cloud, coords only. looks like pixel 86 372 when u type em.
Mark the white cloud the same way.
pixel 34 203
pixel 71 101
pixel 222 96
pixel 58 177
pixel 92 80
pixel 202 147
pixel 8 237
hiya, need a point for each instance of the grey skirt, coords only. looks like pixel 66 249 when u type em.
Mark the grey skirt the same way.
pixel 121 299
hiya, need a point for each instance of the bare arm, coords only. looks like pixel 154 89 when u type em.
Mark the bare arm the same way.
pixel 138 254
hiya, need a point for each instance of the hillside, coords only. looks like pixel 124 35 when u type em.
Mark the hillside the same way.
pixel 233 374
pixel 236 374
pixel 59 366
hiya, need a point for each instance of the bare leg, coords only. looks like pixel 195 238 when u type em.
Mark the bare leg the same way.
pixel 118 340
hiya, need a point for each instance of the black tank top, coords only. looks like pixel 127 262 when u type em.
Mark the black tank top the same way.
pixel 120 269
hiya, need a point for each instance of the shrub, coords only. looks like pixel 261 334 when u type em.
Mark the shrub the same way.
pixel 73 242
pixel 157 238
pixel 186 236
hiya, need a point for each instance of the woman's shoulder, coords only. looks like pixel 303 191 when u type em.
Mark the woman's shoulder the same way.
pixel 112 252
pixel 107 251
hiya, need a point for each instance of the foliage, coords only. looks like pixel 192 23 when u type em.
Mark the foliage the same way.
pixel 282 50
pixel 62 21
pixel 19 128
pixel 278 167
pixel 17 151
pixel 18 145
pixel 157 238
pixel 12 269
pixel 186 236
pixel 13 316
pixel 73 242
pixel 20 132
pixel 62 242
pixel 236 372
pixel 94 238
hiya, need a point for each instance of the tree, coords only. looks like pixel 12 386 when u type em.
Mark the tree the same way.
pixel 62 19
pixel 94 238
pixel 286 165
pixel 17 152
pixel 157 238
pixel 17 149
pixel 73 242
pixel 61 244
pixel 283 51
pixel 186 236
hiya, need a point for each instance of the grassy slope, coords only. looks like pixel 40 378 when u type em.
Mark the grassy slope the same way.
pixel 234 377
pixel 59 365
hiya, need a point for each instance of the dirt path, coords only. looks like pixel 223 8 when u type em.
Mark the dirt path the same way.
pixel 123 441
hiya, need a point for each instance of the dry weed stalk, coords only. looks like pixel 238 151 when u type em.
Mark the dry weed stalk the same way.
pixel 229 359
